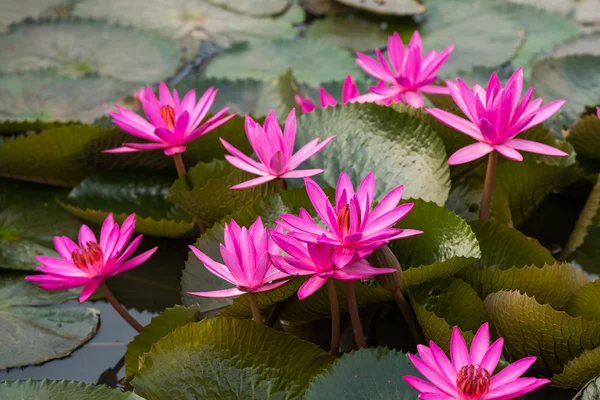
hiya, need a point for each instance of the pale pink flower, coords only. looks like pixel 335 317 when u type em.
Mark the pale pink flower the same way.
pixel 171 123
pixel 495 116
pixel 274 150
pixel 349 92
pixel 247 265
pixel 409 73
pixel 90 262
pixel 470 375
pixel 317 260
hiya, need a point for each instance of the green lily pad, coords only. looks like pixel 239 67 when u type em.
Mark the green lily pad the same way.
pixel 533 329
pixel 561 7
pixel 587 44
pixel 180 19
pixel 76 48
pixel 13 11
pixel 579 371
pixel 33 331
pixel 394 7
pixel 444 303
pixel 399 148
pixel 160 326
pixel 211 197
pixel 247 61
pixel 451 22
pixel 260 8
pixel 512 261
pixel 47 96
pixel 573 78
pixel 584 136
pixel 25 234
pixel 585 302
pixel 61 390
pixel 365 374
pixel 123 192
pixel 226 357
pixel 248 96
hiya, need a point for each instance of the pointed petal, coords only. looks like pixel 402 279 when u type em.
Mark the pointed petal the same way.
pixel 508 152
pixel 220 294
pixel 545 112
pixel 254 182
pixel 512 372
pixel 535 147
pixel 470 153
pixel 492 356
pixel 89 289
pixel 310 286
pixel 414 99
pixel 456 122
pixel 458 350
pixel 326 99
pixel 480 344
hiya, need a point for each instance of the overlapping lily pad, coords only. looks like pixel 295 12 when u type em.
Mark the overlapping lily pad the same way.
pixel 13 11
pixel 364 374
pixel 35 332
pixel 266 59
pixel 49 96
pixel 395 7
pixel 61 390
pixel 399 148
pixel 584 136
pixel 76 48
pixel 29 220
pixel 123 192
pixel 225 357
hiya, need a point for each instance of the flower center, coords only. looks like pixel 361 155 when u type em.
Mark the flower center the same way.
pixel 343 220
pixel 473 382
pixel 168 115
pixel 89 260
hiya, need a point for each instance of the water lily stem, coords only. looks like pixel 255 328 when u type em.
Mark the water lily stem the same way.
pixel 256 315
pixel 488 187
pixel 335 318
pixel 182 173
pixel 409 315
pixel 359 336
pixel 281 184
pixel 119 308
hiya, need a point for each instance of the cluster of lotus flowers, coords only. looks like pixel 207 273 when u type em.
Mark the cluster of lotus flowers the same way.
pixel 336 246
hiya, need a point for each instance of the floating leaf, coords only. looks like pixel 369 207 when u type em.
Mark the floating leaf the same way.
pixel 61 390
pixel 260 8
pixel 76 48
pixel 123 192
pixel 29 220
pixel 363 374
pixel 444 303
pixel 561 7
pixel 573 78
pixel 533 329
pixel 266 59
pixel 12 11
pixel 48 96
pixel 211 197
pixel 226 357
pixel 399 148
pixel 160 326
pixel 395 7
pixel 587 44
pixel 34 332
pixel 584 136
pixel 585 302
pixel 248 96
pixel 573 376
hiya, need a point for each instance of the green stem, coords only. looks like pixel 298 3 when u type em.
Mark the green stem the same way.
pixel 488 187
pixel 119 308
pixel 335 318
pixel 281 184
pixel 409 315
pixel 182 173
pixel 359 336
pixel 256 315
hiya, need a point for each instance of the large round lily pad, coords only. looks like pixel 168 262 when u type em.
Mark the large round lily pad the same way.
pixel 13 11
pixel 76 47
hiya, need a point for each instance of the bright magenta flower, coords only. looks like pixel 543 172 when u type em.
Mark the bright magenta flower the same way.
pixel 274 150
pixel 410 73
pixel 496 116
pixel 171 122
pixel 349 92
pixel 247 262
pixel 91 262
pixel 469 376
pixel 350 225
pixel 317 260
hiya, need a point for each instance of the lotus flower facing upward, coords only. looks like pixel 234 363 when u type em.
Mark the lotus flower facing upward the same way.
pixel 171 122
pixel 247 262
pixel 495 116
pixel 408 74
pixel 274 149
pixel 469 375
pixel 90 262
pixel 317 260
pixel 349 92
pixel 350 225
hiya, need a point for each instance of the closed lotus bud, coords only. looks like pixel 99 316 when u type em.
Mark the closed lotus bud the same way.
pixel 383 257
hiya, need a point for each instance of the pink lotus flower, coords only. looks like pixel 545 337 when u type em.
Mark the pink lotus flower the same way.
pixel 469 375
pixel 274 150
pixel 410 73
pixel 171 122
pixel 317 260
pixel 247 262
pixel 91 262
pixel 349 92
pixel 351 225
pixel 495 117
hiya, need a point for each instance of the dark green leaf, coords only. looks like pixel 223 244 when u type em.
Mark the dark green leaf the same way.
pixel 225 358
pixel 365 374
pixel 60 390
pixel 584 136
pixel 585 302
pixel 160 326
pixel 573 377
